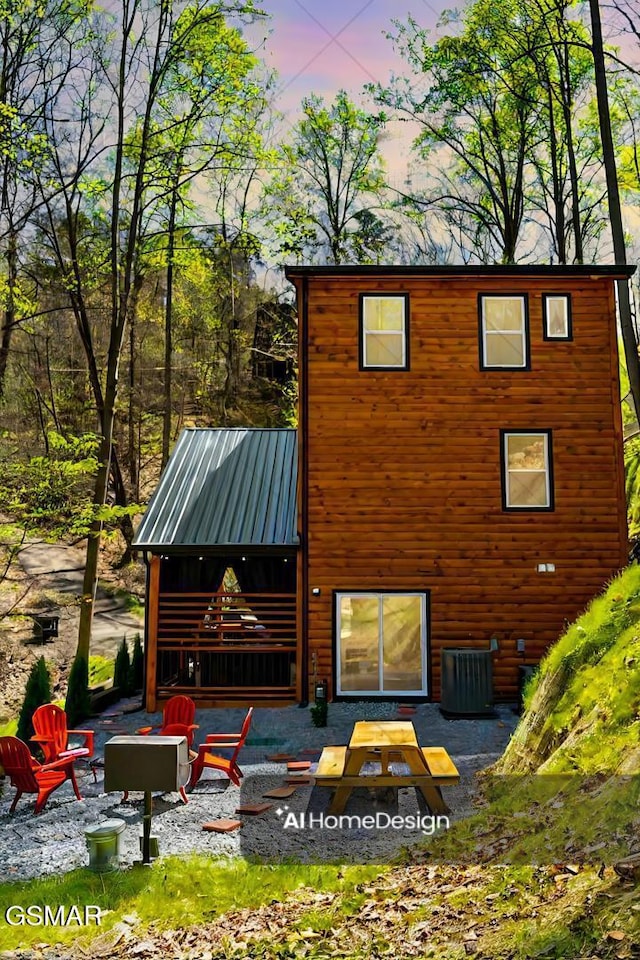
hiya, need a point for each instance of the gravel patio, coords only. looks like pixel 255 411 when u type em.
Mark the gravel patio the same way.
pixel 54 841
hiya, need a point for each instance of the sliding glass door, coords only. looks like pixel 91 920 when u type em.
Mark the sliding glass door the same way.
pixel 381 643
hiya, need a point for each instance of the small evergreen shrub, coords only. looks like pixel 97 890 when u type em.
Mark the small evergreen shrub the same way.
pixel 78 703
pixel 37 692
pixel 137 666
pixel 122 671
pixel 319 713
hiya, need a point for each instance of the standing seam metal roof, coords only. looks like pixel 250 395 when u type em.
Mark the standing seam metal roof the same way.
pixel 231 486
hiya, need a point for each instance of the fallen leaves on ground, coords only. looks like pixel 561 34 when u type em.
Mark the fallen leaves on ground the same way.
pixel 421 910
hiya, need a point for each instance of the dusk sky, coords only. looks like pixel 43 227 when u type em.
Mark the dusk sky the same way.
pixel 321 47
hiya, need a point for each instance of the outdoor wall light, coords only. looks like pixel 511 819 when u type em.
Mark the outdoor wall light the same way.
pixel 316 591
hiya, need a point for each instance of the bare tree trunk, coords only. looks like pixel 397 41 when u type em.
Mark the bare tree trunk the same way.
pixel 9 319
pixel 123 284
pixel 615 212
pixel 168 321
pixel 52 392
pixel 83 325
pixel 567 110
pixel 133 413
pixel 558 199
pixel 90 579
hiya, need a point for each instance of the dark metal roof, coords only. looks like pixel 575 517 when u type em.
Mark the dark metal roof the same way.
pixel 471 270
pixel 225 487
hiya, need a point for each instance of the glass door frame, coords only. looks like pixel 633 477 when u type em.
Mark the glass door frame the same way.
pixel 424 596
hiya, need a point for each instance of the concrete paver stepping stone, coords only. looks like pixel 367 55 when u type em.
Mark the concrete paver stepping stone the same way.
pixel 280 793
pixel 253 808
pixel 223 825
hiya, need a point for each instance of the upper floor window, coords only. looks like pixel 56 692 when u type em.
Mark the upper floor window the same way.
pixel 384 331
pixel 527 480
pixel 556 313
pixel 504 332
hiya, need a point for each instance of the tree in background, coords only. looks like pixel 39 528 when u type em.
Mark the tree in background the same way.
pixel 329 181
pixel 39 40
pixel 478 107
pixel 78 703
pixel 37 692
pixel 137 665
pixel 567 160
pixel 201 127
pixel 140 65
pixel 122 669
pixel 629 336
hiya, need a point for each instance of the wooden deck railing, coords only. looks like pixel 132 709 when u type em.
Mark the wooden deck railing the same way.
pixel 251 618
pixel 226 642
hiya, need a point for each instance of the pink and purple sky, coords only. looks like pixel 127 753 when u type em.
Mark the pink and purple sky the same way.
pixel 322 46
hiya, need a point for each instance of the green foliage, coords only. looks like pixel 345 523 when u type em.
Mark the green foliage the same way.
pixel 583 711
pixel 122 671
pixel 495 97
pixel 38 691
pixel 329 181
pixel 632 484
pixel 53 492
pixel 319 713
pixel 78 702
pixel 137 665
pixel 100 670
pixel 172 893
pixel 9 729
pixel 627 412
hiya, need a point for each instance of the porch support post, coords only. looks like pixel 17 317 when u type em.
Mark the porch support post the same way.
pixel 301 695
pixel 151 651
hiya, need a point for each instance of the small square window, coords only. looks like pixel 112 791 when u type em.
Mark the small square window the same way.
pixel 384 327
pixel 527 478
pixel 504 332
pixel 556 313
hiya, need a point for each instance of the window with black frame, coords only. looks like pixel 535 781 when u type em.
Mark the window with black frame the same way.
pixel 504 331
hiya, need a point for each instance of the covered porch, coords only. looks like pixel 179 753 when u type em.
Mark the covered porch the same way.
pixel 222 619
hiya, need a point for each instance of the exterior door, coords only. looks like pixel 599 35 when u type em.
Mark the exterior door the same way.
pixel 381 644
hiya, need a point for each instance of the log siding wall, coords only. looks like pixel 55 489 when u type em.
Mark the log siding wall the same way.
pixel 401 470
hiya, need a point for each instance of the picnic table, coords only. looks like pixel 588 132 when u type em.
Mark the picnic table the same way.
pixel 392 746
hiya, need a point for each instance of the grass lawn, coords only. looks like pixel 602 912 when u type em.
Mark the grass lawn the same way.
pixel 174 892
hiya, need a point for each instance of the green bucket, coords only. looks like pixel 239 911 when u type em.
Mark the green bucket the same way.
pixel 103 844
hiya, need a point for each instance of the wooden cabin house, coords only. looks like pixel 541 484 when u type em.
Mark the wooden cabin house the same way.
pixel 459 485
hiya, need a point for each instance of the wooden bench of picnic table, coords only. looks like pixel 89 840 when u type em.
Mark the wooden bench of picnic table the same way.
pixel 427 769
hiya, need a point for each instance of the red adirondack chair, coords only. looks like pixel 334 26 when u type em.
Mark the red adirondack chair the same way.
pixel 29 776
pixel 51 733
pixel 229 765
pixel 177 720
